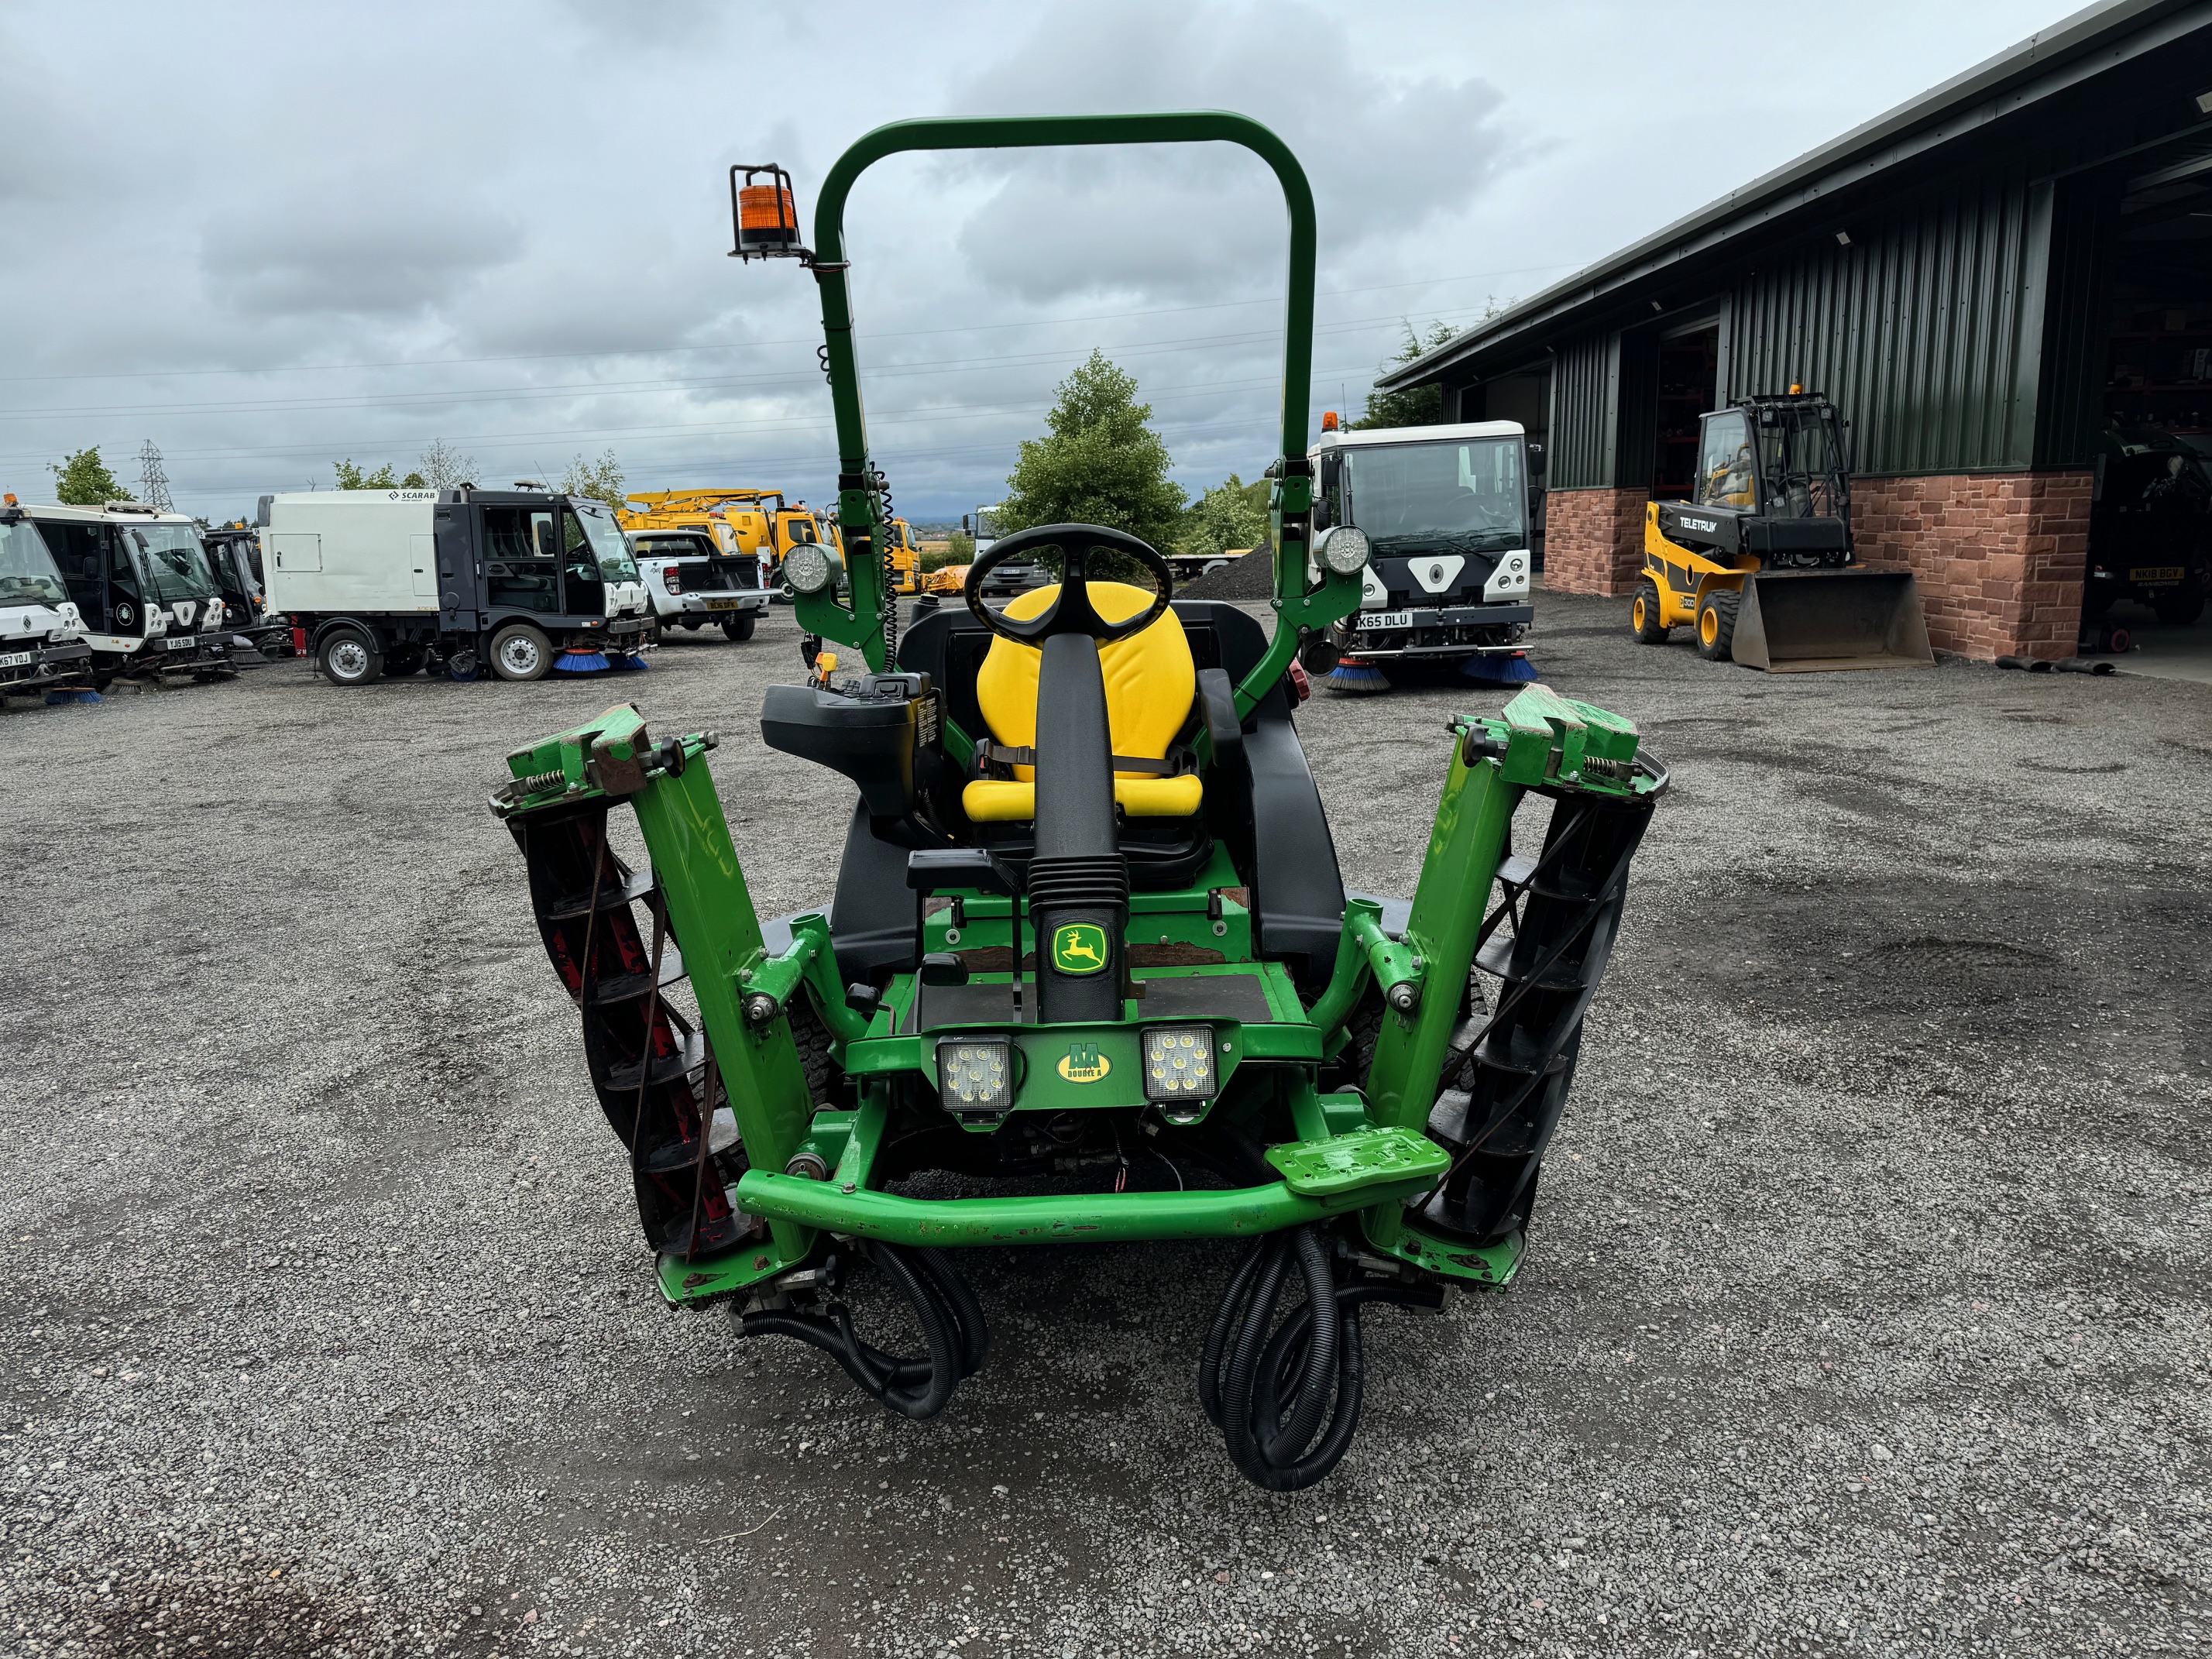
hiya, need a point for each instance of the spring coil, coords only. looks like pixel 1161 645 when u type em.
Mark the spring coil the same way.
pixel 538 782
pixel 889 579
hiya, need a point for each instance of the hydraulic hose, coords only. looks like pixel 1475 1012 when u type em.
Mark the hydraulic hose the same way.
pixel 952 1331
pixel 1270 1394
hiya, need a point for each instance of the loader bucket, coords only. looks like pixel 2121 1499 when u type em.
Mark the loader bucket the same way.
pixel 1802 621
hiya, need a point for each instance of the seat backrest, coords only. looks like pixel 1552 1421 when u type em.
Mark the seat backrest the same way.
pixel 1150 676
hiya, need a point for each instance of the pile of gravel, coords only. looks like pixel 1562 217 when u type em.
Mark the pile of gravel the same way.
pixel 1250 577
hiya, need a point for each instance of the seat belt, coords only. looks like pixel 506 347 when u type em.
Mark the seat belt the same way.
pixel 989 754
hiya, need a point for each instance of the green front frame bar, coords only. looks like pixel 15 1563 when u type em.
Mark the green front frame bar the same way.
pixel 860 624
pixel 1349 1158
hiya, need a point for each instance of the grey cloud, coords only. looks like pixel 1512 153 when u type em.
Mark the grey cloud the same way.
pixel 1384 152
pixel 378 259
pixel 543 180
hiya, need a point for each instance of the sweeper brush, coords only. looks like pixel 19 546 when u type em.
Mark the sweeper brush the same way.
pixel 1092 976
pixel 1356 679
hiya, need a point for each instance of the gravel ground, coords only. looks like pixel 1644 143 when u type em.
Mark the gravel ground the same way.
pixel 1866 1311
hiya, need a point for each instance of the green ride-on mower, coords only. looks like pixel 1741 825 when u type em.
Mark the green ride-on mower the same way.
pixel 1090 967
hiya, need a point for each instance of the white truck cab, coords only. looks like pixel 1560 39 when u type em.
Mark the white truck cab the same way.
pixel 1446 511
pixel 144 588
pixel 391 581
pixel 42 645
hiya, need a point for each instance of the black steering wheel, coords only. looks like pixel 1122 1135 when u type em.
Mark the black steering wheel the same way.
pixel 1070 611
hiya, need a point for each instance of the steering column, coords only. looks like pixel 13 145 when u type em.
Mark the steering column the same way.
pixel 1078 881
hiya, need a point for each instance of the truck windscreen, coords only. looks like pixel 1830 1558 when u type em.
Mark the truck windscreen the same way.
pixel 1464 497
pixel 28 575
pixel 177 562
pixel 609 549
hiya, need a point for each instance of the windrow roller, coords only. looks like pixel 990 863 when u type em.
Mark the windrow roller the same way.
pixel 1091 973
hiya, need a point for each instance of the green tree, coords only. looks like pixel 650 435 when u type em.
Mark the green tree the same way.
pixel 1098 463
pixel 1421 405
pixel 600 480
pixel 83 480
pixel 444 467
pixel 959 549
pixel 1228 515
pixel 352 477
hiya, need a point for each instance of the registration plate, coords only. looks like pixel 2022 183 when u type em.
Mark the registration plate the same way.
pixel 721 605
pixel 1386 619
pixel 18 659
pixel 2157 572
pixel 184 644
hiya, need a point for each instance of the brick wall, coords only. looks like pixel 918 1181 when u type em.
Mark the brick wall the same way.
pixel 1997 556
pixel 1593 540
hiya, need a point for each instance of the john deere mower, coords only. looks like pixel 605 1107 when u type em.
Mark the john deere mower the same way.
pixel 1759 560
pixel 1090 974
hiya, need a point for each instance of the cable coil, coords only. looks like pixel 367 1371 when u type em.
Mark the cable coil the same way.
pixel 1270 1394
pixel 952 1331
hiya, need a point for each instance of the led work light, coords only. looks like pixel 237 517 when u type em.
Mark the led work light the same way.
pixel 1344 551
pixel 1179 1068
pixel 976 1076
pixel 806 568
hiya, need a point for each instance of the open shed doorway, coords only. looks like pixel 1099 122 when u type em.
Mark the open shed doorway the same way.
pixel 1689 375
pixel 2150 571
pixel 1526 398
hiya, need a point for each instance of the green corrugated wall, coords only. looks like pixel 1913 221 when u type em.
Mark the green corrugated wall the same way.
pixel 1927 330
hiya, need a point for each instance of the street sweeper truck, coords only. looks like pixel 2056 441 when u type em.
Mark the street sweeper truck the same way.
pixel 391 581
pixel 1446 511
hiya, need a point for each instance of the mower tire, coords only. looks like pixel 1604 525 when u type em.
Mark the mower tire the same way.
pixel 520 652
pixel 1716 624
pixel 348 656
pixel 1644 614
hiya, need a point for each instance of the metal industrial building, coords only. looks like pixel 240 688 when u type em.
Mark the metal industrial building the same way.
pixel 1985 279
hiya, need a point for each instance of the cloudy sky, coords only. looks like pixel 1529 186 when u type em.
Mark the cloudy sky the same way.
pixel 266 236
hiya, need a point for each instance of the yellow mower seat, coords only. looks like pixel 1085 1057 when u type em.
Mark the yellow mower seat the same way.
pixel 1151 682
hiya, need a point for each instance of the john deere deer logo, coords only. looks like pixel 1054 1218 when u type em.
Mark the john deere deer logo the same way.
pixel 1079 948
pixel 1083 1063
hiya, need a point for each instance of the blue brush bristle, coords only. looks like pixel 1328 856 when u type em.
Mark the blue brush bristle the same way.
pixel 1355 677
pixel 580 662
pixel 1502 671
pixel 630 663
pixel 55 698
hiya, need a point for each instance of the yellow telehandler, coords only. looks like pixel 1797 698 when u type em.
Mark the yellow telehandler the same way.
pixel 1759 560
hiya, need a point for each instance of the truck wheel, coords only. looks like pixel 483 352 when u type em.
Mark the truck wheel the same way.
pixel 520 652
pixel 1644 614
pixel 1716 624
pixel 739 627
pixel 350 657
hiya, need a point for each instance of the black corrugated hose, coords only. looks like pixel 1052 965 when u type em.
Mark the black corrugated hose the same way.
pixel 952 1330
pixel 1269 1395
